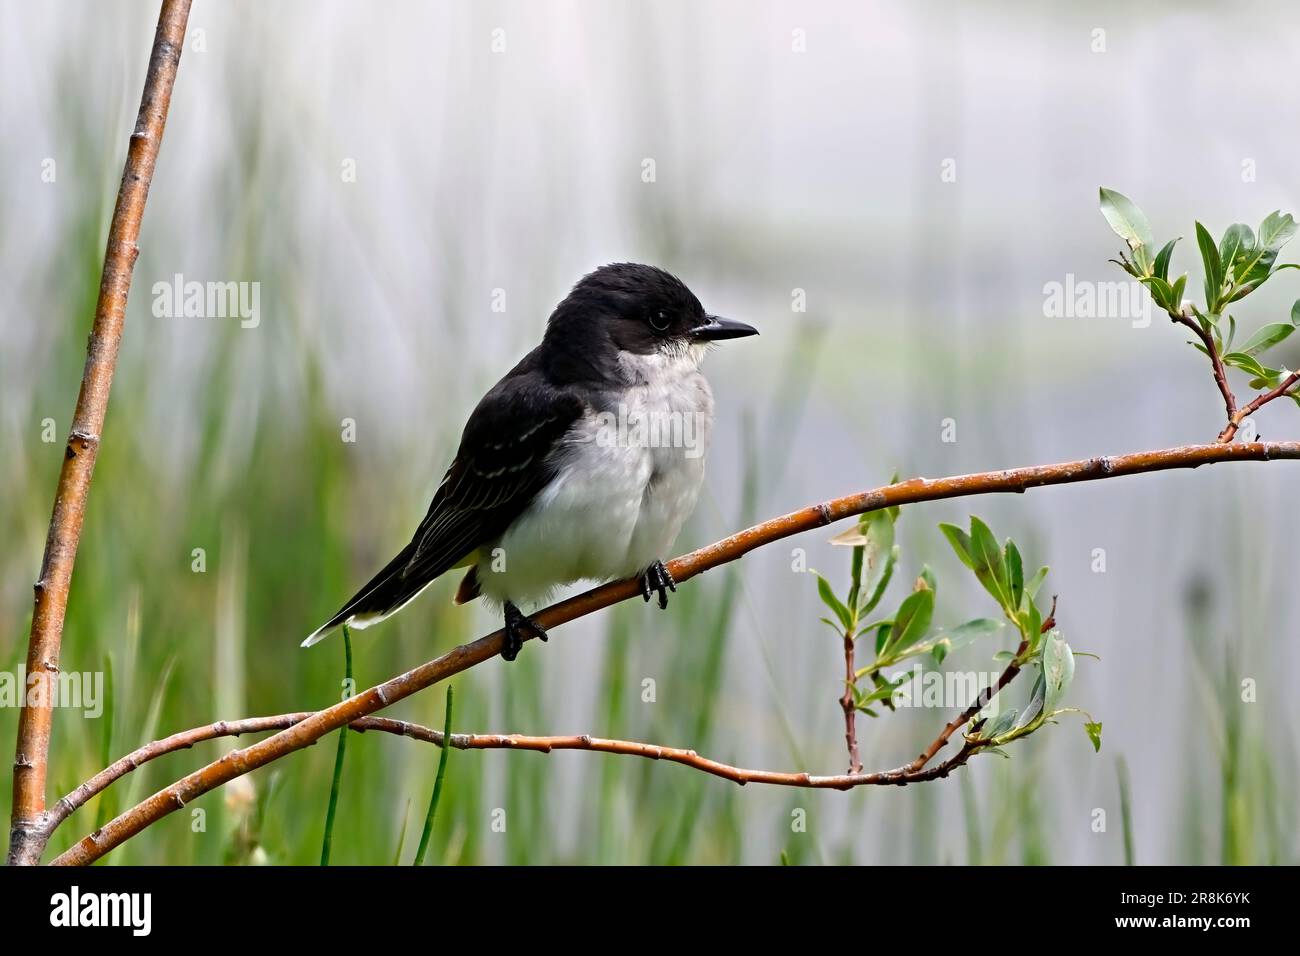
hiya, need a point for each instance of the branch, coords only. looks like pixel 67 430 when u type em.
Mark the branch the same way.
pixel 1230 431
pixel 402 728
pixel 849 705
pixel 1235 415
pixel 311 729
pixel 981 700
pixel 186 739
pixel 1220 374
pixel 31 756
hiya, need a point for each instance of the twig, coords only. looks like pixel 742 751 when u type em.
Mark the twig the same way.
pixel 31 756
pixel 1230 431
pixel 538 744
pixel 1235 415
pixel 849 705
pixel 303 734
pixel 981 700
pixel 1220 374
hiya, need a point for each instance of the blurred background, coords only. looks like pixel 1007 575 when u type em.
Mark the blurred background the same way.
pixel 885 190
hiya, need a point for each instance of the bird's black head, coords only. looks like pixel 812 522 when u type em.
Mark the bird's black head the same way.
pixel 638 310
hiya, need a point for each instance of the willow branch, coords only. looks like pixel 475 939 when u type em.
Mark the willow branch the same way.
pixel 539 744
pixel 1284 388
pixel 849 705
pixel 306 732
pixel 1216 363
pixel 31 755
pixel 1235 415
pixel 981 699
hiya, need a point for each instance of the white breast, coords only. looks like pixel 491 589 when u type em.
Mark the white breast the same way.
pixel 627 481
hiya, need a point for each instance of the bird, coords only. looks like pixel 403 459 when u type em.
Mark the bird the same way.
pixel 582 463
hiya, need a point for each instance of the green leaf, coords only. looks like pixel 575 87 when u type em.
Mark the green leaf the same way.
pixel 1015 573
pixel 912 622
pixel 1267 337
pixel 999 724
pixel 1130 225
pixel 1213 267
pixel 1271 378
pixel 1034 709
pixel 1058 670
pixel 891 561
pixel 1246 363
pixel 882 635
pixel 1163 257
pixel 837 628
pixel 1161 292
pixel 1245 289
pixel 873 540
pixel 883 692
pixel 960 542
pixel 928 577
pixel 879 528
pixel 1295 313
pixel 1238 240
pixel 1093 729
pixel 990 567
pixel 1176 292
pixel 831 601
pixel 1036 582
pixel 1274 232
pixel 1030 622
pixel 943 643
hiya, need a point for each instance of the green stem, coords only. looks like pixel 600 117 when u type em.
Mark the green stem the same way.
pixel 338 756
pixel 437 785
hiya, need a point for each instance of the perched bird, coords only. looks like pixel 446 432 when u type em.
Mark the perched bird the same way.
pixel 582 463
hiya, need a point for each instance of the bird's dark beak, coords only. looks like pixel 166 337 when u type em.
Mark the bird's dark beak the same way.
pixel 715 329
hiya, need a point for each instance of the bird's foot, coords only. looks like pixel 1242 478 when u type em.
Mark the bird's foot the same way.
pixel 657 578
pixel 516 626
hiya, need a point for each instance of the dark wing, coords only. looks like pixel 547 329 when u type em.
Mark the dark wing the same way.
pixel 503 462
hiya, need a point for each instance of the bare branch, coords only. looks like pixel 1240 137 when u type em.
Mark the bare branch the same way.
pixel 31 756
pixel 1220 375
pixel 1287 384
pixel 402 728
pixel 306 732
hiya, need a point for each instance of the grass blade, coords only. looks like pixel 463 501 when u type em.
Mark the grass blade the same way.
pixel 338 757
pixel 437 785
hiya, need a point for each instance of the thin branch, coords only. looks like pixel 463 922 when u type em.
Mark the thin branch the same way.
pixel 1230 431
pixel 402 728
pixel 1220 374
pixel 31 755
pixel 1235 415
pixel 849 705
pixel 981 700
pixel 303 734
pixel 899 777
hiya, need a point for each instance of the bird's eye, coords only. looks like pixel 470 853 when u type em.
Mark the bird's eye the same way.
pixel 659 321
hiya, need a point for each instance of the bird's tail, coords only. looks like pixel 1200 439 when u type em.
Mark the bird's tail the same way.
pixel 384 595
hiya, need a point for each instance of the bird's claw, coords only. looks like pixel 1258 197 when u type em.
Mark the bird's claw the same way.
pixel 657 578
pixel 516 624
